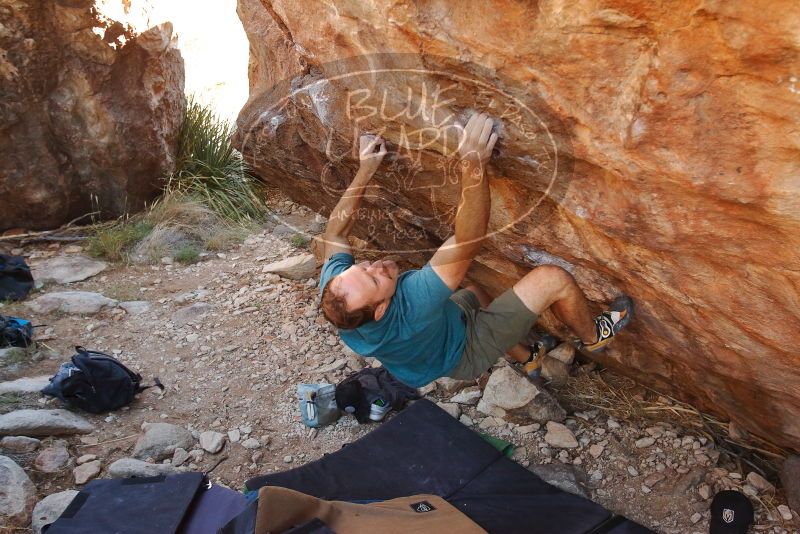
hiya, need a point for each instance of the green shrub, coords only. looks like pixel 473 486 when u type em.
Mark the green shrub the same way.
pixel 187 253
pixel 114 243
pixel 211 171
pixel 299 240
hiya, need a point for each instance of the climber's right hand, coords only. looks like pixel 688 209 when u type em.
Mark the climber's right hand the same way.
pixel 477 139
pixel 372 149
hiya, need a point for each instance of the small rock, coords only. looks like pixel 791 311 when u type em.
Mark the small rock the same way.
pixel 632 471
pixel 453 409
pixel 251 443
pixel 759 483
pixel 651 480
pixel 565 353
pixel 86 458
pixel 130 467
pixel 179 457
pixel 786 513
pixel 451 385
pixel 335 366
pixel 696 517
pixel 25 385
pixel 560 436
pixel 556 371
pixel 86 472
pixel 641 443
pixel 19 444
pixel 528 429
pixel 234 435
pixel 50 508
pixel 17 494
pixel 688 481
pixel 425 390
pixel 53 458
pixel 704 491
pixel 160 440
pixel 469 396
pixel 212 441
pixel 192 338
pixel 596 450
pixel 288 459
pixel 567 478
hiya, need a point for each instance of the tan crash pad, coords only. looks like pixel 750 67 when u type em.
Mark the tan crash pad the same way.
pixel 280 509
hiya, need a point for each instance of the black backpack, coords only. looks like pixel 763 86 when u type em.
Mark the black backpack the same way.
pixel 16 280
pixel 95 382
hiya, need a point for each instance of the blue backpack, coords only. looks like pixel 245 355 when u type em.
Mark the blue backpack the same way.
pixel 15 332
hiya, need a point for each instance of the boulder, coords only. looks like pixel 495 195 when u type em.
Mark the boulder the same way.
pixel 53 458
pixel 50 508
pixel 300 267
pixel 32 384
pixel 135 307
pixel 508 391
pixel 131 467
pixel 17 496
pixel 685 121
pixel 66 269
pixel 42 423
pixel 191 313
pixel 160 440
pixel 77 88
pixel 77 302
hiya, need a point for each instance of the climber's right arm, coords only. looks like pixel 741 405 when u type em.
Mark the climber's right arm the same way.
pixel 454 257
pixel 340 223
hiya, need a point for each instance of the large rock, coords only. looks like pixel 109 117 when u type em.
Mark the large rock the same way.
pixel 89 124
pixel 648 152
pixel 790 478
pixel 160 440
pixel 17 494
pixel 78 302
pixel 19 444
pixel 31 384
pixel 66 269
pixel 571 479
pixel 40 423
pixel 50 508
pixel 509 392
pixel 131 467
pixel 300 267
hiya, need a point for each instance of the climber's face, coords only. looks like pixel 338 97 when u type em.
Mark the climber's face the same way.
pixel 368 284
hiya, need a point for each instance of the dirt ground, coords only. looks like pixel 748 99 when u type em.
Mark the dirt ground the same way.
pixel 237 367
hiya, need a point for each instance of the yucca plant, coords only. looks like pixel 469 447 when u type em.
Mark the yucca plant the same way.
pixel 211 171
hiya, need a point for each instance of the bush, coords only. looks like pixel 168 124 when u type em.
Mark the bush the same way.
pixel 299 240
pixel 114 243
pixel 211 171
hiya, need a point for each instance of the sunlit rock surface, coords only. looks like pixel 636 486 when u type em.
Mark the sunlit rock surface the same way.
pixel 89 113
pixel 660 151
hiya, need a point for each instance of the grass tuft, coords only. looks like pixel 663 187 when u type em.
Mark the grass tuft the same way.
pixel 187 253
pixel 299 240
pixel 114 243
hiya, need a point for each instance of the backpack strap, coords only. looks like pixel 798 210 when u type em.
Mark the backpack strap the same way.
pixel 156 384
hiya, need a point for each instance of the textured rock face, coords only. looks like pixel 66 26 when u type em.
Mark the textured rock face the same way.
pixel 82 115
pixel 674 134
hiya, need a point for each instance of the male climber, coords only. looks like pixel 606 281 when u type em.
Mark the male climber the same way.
pixel 416 323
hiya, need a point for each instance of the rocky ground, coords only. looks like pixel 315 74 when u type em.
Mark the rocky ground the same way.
pixel 231 337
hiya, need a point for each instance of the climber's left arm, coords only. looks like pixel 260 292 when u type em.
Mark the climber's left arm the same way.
pixel 372 149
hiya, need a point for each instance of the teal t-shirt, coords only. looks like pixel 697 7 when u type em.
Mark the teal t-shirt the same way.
pixel 422 334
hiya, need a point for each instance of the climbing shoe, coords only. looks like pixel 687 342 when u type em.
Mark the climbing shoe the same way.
pixel 610 322
pixel 532 368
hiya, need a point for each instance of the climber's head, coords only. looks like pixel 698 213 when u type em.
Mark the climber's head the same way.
pixel 360 294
